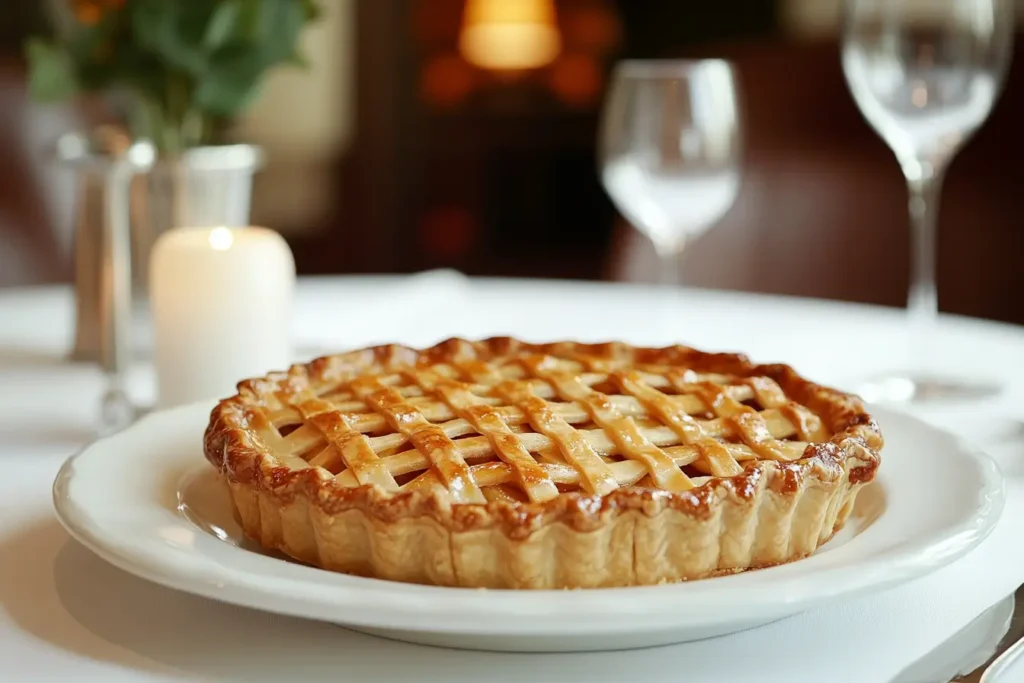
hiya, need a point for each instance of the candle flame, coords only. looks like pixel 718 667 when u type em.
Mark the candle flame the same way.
pixel 221 239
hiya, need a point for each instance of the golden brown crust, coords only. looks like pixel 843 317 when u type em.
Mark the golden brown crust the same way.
pixel 834 469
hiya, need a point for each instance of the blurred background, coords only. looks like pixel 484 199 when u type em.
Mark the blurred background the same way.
pixel 409 146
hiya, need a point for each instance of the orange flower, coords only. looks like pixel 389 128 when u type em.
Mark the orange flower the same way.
pixel 89 12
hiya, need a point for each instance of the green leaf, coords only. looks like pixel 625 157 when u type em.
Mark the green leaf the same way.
pixel 249 20
pixel 223 25
pixel 144 72
pixel 312 9
pixel 281 23
pixel 230 84
pixel 148 20
pixel 52 75
pixel 175 30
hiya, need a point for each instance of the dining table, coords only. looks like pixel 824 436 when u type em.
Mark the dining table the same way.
pixel 67 615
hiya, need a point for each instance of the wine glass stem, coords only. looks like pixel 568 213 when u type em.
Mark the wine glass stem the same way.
pixel 668 276
pixel 923 300
pixel 668 263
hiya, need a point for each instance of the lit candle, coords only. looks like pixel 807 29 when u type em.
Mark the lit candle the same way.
pixel 221 301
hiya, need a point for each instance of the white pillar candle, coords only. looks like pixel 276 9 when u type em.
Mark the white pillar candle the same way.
pixel 222 305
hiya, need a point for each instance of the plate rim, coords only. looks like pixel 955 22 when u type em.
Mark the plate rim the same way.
pixel 407 604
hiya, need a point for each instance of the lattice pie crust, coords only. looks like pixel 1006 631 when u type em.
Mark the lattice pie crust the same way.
pixel 511 465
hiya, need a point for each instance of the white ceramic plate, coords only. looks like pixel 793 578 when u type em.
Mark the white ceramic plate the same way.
pixel 147 501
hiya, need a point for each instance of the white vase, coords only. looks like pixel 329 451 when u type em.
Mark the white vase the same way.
pixel 204 187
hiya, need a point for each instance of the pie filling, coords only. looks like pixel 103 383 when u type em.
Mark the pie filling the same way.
pixel 511 465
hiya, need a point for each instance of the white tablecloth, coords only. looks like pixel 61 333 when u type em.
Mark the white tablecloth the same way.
pixel 67 615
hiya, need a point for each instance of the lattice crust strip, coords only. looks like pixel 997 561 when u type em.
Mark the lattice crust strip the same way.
pixel 509 465
pixel 534 425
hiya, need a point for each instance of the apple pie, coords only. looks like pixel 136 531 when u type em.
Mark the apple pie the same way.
pixel 505 464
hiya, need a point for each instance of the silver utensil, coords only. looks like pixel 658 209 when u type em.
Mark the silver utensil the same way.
pixel 983 651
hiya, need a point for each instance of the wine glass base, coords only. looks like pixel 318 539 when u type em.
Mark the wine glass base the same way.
pixel 118 411
pixel 919 389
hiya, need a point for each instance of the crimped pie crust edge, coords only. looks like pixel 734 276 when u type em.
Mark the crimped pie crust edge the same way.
pixel 770 514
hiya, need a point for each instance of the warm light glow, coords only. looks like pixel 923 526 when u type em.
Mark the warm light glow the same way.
pixel 221 239
pixel 446 80
pixel 577 79
pixel 593 29
pixel 510 35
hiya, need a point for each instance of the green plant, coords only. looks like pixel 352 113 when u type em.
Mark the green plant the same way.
pixel 189 64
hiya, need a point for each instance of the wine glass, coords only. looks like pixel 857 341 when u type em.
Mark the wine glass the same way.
pixel 669 150
pixel 925 75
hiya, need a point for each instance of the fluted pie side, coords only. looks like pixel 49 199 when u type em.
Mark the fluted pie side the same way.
pixel 647 544
pixel 772 513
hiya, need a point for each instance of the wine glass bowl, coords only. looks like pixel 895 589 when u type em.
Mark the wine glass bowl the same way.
pixel 926 75
pixel 669 149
